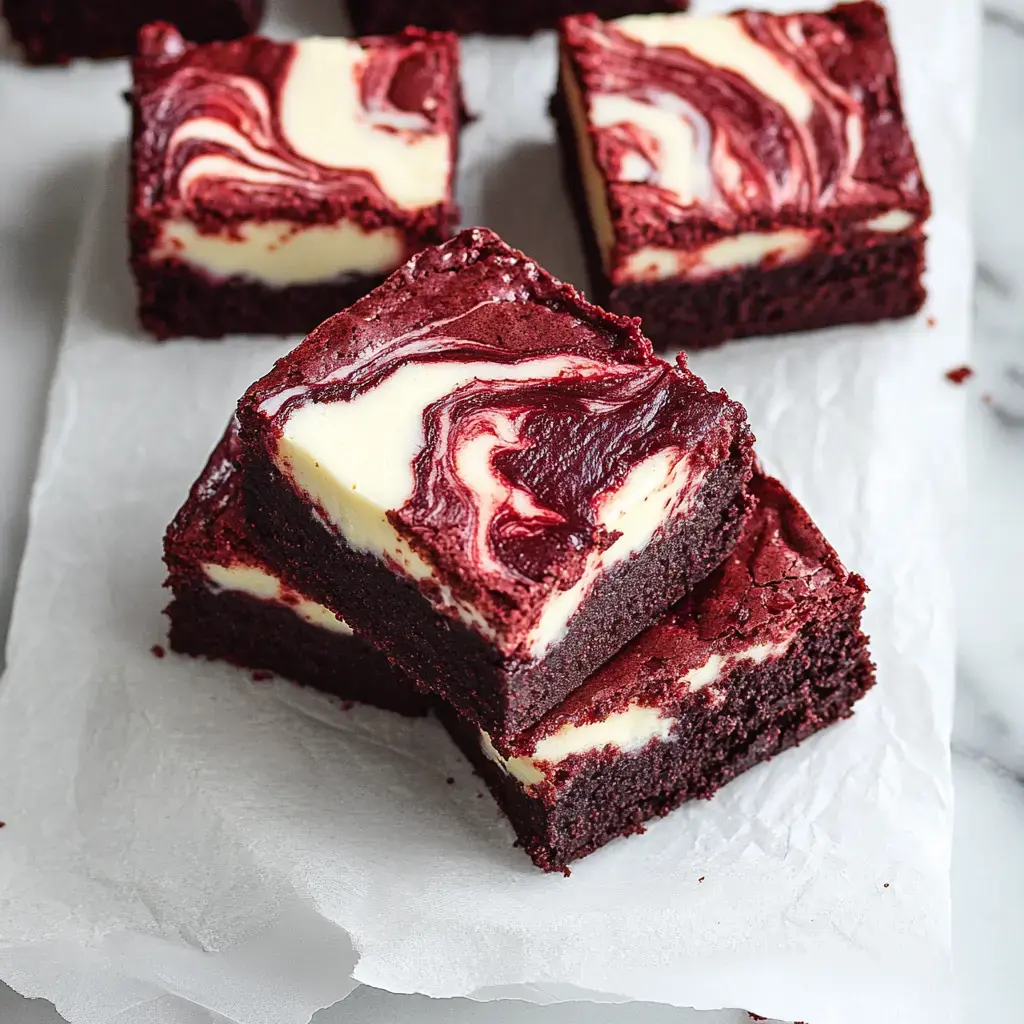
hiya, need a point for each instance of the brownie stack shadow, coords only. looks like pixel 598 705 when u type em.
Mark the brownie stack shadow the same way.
pixel 474 490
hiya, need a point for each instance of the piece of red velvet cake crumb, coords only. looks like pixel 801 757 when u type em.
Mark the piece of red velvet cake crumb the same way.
pixel 157 651
pixel 959 374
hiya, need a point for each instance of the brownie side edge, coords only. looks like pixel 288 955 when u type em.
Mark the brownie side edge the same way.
pixel 766 711
pixel 264 637
pixel 445 657
pixel 859 286
pixel 176 300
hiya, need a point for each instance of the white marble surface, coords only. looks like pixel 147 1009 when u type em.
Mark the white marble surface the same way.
pixel 54 125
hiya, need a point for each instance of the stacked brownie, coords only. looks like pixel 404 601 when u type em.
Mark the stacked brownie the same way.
pixel 476 489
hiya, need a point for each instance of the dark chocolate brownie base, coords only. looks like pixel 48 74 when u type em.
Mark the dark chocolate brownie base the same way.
pixel 57 31
pixel 384 17
pixel 448 659
pixel 766 710
pixel 176 301
pixel 880 282
pixel 261 636
pixel 860 286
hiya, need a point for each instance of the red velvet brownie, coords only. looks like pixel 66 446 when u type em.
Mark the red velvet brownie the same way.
pixel 275 183
pixel 766 651
pixel 56 31
pixel 229 605
pixel 742 174
pixel 372 17
pixel 493 480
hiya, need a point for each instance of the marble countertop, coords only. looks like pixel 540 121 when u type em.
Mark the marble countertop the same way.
pixel 57 124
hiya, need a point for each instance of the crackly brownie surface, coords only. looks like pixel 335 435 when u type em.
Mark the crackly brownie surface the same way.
pixel 765 651
pixel 230 605
pixel 708 144
pixel 289 165
pixel 488 434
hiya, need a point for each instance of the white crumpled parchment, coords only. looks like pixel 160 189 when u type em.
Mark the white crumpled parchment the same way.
pixel 177 834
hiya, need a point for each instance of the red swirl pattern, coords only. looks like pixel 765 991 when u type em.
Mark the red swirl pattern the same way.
pixel 852 155
pixel 214 142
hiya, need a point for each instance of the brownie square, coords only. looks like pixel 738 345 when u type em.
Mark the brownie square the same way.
pixel 56 31
pixel 742 174
pixel 230 605
pixel 765 652
pixel 494 481
pixel 372 17
pixel 275 183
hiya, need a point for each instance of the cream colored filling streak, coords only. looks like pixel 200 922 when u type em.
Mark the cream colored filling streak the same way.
pixel 248 579
pixel 282 253
pixel 626 731
pixel 325 121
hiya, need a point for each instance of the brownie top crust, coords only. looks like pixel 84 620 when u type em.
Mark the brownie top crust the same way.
pixel 708 126
pixel 782 576
pixel 312 131
pixel 488 433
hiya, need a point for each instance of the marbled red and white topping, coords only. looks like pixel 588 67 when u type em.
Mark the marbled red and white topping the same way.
pixel 773 132
pixel 782 579
pixel 315 129
pixel 488 433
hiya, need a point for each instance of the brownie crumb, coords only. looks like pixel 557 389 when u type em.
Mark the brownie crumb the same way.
pixel 885 885
pixel 262 676
pixel 450 780
pixel 567 871
pixel 479 796
pixel 157 651
pixel 3 824
pixel 959 375
pixel 701 879
pixel 755 1016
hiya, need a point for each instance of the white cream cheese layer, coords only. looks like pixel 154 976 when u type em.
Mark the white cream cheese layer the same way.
pixel 355 485
pixel 728 254
pixel 625 731
pixel 282 253
pixel 325 121
pixel 257 583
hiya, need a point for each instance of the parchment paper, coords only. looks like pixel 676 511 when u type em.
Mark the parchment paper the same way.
pixel 176 833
